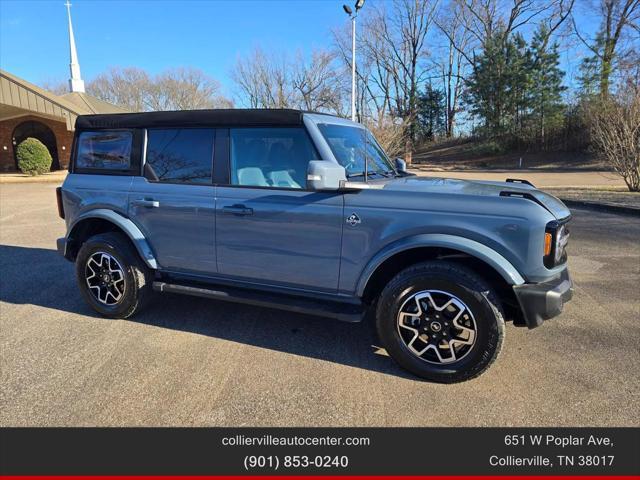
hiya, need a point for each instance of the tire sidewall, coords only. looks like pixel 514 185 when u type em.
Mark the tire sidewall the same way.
pixel 130 297
pixel 488 325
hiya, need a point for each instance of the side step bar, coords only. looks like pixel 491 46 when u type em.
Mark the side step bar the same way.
pixel 340 311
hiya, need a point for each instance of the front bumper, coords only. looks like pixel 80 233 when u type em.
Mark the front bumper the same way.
pixel 542 301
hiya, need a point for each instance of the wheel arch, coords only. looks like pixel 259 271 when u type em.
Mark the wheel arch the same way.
pixel 483 260
pixel 101 221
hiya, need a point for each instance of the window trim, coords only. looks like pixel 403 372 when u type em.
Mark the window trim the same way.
pixel 268 187
pixel 134 158
pixel 211 181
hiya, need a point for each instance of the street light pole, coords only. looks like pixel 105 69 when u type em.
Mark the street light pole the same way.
pixel 352 15
pixel 353 68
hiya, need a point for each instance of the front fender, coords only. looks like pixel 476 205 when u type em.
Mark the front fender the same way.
pixel 127 226
pixel 465 245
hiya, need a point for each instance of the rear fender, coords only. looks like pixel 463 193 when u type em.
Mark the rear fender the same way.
pixel 127 226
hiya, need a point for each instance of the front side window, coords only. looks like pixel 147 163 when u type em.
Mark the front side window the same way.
pixel 270 157
pixel 353 146
pixel 179 155
pixel 104 150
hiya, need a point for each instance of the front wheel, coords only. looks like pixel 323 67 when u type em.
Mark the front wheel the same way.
pixel 440 321
pixel 112 278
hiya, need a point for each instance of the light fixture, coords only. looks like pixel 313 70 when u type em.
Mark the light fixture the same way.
pixel 347 9
pixel 548 243
pixel 359 4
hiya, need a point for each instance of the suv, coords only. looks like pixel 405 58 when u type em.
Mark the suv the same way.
pixel 305 212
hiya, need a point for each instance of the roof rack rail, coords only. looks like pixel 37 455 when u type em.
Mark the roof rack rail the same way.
pixel 520 180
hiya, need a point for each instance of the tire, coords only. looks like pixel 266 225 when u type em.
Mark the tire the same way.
pixel 454 344
pixel 128 285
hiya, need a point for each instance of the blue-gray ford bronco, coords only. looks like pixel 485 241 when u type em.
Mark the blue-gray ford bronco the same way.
pixel 305 212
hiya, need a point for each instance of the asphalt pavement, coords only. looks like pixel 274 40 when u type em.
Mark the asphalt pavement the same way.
pixel 193 362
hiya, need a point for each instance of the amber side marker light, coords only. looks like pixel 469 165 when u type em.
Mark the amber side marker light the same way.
pixel 548 241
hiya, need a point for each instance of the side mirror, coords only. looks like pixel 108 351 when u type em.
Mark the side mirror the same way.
pixel 324 175
pixel 401 165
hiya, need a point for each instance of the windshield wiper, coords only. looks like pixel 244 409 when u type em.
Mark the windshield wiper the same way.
pixel 361 174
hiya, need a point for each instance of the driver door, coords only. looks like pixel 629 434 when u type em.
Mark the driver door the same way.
pixel 269 228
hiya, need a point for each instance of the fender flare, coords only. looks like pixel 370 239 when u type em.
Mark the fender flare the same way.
pixel 127 226
pixel 462 244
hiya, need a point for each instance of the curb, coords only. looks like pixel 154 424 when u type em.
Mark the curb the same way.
pixel 22 182
pixel 602 207
pixel 13 180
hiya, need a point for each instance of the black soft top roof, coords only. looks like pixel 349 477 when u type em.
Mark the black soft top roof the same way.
pixel 226 117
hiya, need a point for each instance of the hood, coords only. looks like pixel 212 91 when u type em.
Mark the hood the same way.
pixel 479 188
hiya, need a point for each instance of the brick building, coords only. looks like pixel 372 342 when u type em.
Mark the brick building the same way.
pixel 30 111
pixel 27 110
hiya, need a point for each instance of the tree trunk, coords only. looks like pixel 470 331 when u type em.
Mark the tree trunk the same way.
pixel 408 150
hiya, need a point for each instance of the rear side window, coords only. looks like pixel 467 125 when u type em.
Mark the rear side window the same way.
pixel 180 155
pixel 104 150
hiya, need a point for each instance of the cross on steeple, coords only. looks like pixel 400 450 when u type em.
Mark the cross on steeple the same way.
pixel 76 84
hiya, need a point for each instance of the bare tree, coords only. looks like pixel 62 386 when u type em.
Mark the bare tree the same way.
pixel 273 81
pixel 617 16
pixel 451 23
pixel 58 87
pixel 371 92
pixel 394 47
pixel 616 135
pixel 185 89
pixel 174 89
pixel 128 87
pixel 263 80
pixel 316 82
pixel 481 19
pixel 405 33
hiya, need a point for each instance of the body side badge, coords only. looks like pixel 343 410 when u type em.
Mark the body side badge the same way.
pixel 353 220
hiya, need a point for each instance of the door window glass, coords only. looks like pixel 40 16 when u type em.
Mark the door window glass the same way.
pixel 179 155
pixel 270 157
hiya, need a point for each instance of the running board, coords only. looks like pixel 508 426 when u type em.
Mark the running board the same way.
pixel 340 311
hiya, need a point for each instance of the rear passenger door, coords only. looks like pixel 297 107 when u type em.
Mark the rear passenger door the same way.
pixel 174 202
pixel 269 228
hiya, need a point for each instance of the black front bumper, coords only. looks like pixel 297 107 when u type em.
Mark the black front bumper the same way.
pixel 542 301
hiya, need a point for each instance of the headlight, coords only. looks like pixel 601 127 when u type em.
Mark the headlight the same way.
pixel 556 237
pixel 562 238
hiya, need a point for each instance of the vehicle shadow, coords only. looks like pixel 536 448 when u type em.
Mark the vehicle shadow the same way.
pixel 40 277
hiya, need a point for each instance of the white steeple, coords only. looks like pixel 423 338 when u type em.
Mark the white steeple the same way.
pixel 76 84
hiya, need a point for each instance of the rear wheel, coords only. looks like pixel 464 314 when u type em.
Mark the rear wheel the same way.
pixel 111 276
pixel 440 321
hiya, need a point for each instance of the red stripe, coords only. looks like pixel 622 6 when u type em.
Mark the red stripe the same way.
pixel 319 477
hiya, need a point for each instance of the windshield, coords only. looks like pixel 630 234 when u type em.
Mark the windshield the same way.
pixel 352 146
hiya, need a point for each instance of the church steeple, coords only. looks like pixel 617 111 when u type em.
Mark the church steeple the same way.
pixel 76 84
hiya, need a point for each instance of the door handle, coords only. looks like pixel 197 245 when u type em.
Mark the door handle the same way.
pixel 237 210
pixel 148 203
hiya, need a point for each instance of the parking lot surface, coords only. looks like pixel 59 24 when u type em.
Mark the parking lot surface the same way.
pixel 187 361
